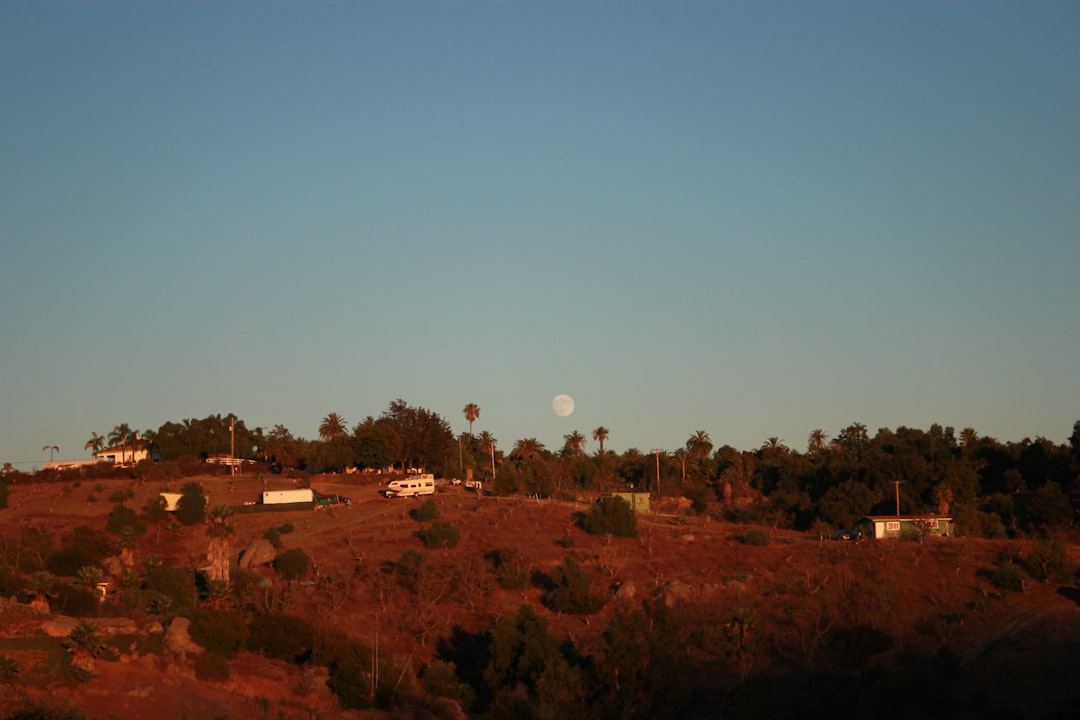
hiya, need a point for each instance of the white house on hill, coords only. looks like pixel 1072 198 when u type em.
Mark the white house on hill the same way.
pixel 129 454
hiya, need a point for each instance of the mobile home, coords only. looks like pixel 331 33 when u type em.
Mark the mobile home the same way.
pixel 411 486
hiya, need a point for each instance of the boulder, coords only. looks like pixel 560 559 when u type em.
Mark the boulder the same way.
pixel 178 638
pixel 626 591
pixel 259 552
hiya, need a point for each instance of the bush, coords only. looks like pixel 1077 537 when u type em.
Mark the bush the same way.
pixel 75 601
pixel 84 546
pixel 441 534
pixel 211 667
pixel 571 593
pixel 282 637
pixel 611 516
pixel 121 496
pixel 427 511
pixel 3 494
pixel 273 535
pixel 191 507
pixel 1009 576
pixel 511 568
pixel 757 538
pixel 292 564
pixel 219 631
pixel 1049 560
pixel 123 517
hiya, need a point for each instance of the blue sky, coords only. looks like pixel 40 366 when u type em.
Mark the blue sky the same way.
pixel 752 218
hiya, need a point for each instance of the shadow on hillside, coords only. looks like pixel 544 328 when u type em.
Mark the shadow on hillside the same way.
pixel 578 519
pixel 1071 593
pixel 541 581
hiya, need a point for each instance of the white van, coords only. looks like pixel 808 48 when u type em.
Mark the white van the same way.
pixel 411 486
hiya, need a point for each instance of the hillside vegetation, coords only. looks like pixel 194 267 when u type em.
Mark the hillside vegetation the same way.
pixel 525 613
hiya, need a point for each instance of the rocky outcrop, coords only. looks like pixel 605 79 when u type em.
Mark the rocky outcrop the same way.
pixel 259 552
pixel 178 640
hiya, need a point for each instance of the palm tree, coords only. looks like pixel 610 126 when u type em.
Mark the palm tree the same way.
pixel 42 586
pixel 817 440
pixel 332 426
pixel 700 444
pixel 119 436
pixel 220 529
pixel 94 444
pixel 89 576
pixel 600 434
pixel 487 444
pixel 681 454
pixel 774 444
pixel 84 645
pixel 528 448
pixel 574 444
pixel 472 414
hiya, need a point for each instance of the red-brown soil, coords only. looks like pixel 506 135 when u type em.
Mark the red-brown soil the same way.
pixel 1018 649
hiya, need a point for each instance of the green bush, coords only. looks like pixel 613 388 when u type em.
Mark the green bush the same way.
pixel 1049 560
pixel 511 568
pixel 440 534
pixel 84 546
pixel 211 667
pixel 427 511
pixel 273 535
pixel 218 631
pixel 120 496
pixel 75 601
pixel 282 637
pixel 571 593
pixel 191 507
pixel 611 515
pixel 1009 576
pixel 124 517
pixel 292 564
pixel 757 538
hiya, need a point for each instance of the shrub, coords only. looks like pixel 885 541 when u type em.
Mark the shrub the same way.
pixel 282 637
pixel 3 494
pixel 191 507
pixel 441 534
pixel 440 680
pixel 123 517
pixel 84 546
pixel 611 516
pixel 1009 576
pixel 1049 560
pixel 511 568
pixel 219 631
pixel 75 601
pixel 286 528
pixel 120 496
pixel 292 564
pixel 757 538
pixel 154 510
pixel 211 667
pixel 571 593
pixel 168 581
pixel 349 665
pixel 427 511
pixel 273 535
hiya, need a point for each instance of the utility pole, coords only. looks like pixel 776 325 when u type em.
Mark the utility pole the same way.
pixel 897 483
pixel 656 452
pixel 232 445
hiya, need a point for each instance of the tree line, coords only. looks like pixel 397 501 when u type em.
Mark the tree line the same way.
pixel 991 487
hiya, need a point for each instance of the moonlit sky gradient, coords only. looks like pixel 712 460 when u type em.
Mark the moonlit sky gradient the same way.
pixel 753 218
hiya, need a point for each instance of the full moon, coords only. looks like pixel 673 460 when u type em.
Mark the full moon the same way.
pixel 563 405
